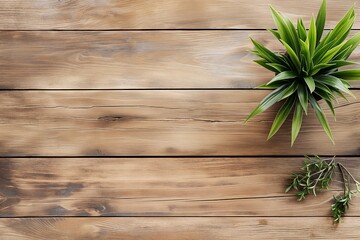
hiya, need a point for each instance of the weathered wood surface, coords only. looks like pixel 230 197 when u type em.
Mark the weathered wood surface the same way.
pixel 123 60
pixel 161 123
pixel 159 187
pixel 200 191
pixel 159 14
pixel 214 228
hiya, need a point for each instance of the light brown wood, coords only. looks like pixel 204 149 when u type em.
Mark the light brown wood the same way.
pixel 166 196
pixel 159 187
pixel 123 60
pixel 164 122
pixel 177 228
pixel 159 14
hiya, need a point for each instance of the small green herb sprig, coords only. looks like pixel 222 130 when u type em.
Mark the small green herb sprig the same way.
pixel 316 175
pixel 342 202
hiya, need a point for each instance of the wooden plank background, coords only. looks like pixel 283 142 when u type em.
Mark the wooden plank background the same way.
pixel 161 123
pixel 159 14
pixel 124 120
pixel 134 59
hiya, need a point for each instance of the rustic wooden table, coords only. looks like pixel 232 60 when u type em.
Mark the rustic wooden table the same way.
pixel 123 120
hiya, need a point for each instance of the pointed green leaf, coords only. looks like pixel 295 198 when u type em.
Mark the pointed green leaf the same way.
pixel 346 83
pixel 294 35
pixel 266 53
pixel 281 116
pixel 353 74
pixel 264 63
pixel 341 53
pixel 331 53
pixel 322 94
pixel 331 107
pixel 338 92
pixel 275 33
pixel 290 90
pixel 323 87
pixel 306 55
pixel 296 122
pixel 321 117
pixel 320 21
pixel 341 30
pixel 267 102
pixel 310 83
pixel 311 38
pixel 270 86
pixel 333 82
pixel 351 44
pixel 283 28
pixel 335 65
pixel 279 67
pixel 283 76
pixel 321 66
pixel 294 58
pixel 321 50
pixel 301 29
pixel 303 97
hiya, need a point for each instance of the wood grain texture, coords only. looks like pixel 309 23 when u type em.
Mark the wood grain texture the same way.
pixel 177 228
pixel 123 60
pixel 159 187
pixel 161 123
pixel 158 14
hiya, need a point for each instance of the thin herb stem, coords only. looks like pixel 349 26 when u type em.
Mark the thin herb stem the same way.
pixel 343 177
pixel 348 172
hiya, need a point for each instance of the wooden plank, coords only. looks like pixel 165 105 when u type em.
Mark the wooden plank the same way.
pixel 161 123
pixel 159 14
pixel 177 228
pixel 123 60
pixel 158 187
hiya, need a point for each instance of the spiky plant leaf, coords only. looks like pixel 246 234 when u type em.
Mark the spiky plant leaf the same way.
pixel 282 76
pixel 321 117
pixel 301 29
pixel 303 97
pixel 265 64
pixel 285 32
pixel 310 83
pixel 267 102
pixel 351 45
pixel 311 38
pixel 293 57
pixel 353 74
pixel 279 67
pixel 330 104
pixel 320 21
pixel 275 33
pixel 290 89
pixel 281 116
pixel 308 69
pixel 265 53
pixel 334 82
pixel 296 122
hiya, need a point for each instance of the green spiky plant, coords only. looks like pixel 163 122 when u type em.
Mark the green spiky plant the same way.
pixel 308 69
